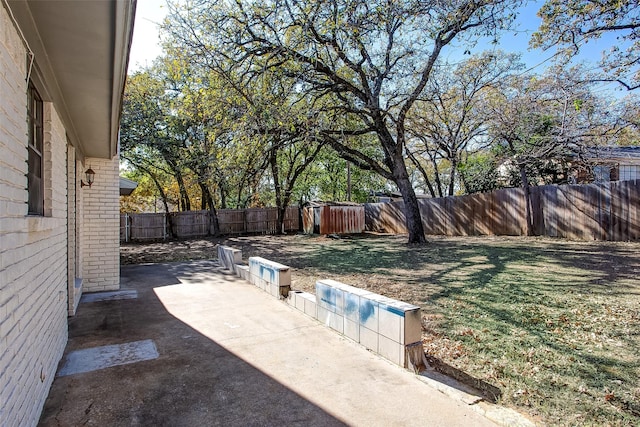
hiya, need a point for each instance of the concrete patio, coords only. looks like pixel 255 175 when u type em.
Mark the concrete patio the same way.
pixel 230 354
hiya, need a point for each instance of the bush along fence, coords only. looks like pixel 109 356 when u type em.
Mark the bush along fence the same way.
pixel 160 226
pixel 607 211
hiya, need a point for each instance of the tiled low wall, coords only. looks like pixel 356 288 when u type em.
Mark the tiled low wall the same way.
pixel 229 257
pixel 304 302
pixel 383 325
pixel 270 276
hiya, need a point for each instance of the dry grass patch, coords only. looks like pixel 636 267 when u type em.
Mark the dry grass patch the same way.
pixel 554 324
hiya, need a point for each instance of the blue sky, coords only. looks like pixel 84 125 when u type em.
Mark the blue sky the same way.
pixel 146 42
pixel 150 13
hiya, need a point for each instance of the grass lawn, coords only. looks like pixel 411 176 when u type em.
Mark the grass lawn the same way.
pixel 554 324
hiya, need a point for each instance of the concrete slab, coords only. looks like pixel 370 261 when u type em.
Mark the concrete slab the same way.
pixel 230 354
pixel 107 356
pixel 109 296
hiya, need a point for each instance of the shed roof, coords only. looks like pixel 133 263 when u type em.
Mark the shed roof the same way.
pixel 127 186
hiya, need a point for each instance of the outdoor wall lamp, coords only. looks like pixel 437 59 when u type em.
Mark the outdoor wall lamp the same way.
pixel 89 174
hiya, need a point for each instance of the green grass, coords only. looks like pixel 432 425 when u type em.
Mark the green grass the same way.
pixel 554 324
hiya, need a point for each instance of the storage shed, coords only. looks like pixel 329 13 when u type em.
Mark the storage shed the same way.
pixel 332 218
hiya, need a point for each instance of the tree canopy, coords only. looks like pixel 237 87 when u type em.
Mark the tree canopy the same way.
pixel 368 62
pixel 572 24
pixel 282 101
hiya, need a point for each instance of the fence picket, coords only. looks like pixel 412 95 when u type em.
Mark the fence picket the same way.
pixel 149 226
pixel 609 211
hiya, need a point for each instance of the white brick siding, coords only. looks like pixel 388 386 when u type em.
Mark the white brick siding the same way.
pixel 101 227
pixel 33 250
pixel 38 260
pixel 72 273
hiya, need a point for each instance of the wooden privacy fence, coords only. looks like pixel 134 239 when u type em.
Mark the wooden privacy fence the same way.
pixel 327 219
pixel 608 211
pixel 150 226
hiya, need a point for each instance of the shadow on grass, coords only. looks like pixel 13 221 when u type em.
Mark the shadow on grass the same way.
pixel 553 323
pixel 546 321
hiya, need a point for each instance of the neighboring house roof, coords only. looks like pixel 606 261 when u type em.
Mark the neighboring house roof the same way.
pixel 127 186
pixel 622 155
pixel 81 49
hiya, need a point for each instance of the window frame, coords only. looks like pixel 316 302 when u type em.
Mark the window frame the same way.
pixel 35 152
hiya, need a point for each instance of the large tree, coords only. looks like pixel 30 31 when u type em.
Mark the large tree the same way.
pixel 368 62
pixel 539 122
pixel 146 140
pixel 571 24
pixel 450 121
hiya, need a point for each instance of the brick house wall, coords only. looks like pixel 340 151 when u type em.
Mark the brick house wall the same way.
pixel 101 227
pixel 33 249
pixel 44 258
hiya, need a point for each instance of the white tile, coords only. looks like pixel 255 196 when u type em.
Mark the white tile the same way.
pixel 391 350
pixel 323 315
pixel 298 301
pixel 274 290
pixel 331 319
pixel 369 338
pixel 253 279
pixel 268 273
pixel 242 271
pixel 351 307
pixel 336 322
pixel 254 265
pixel 310 307
pixel 352 330
pixel 228 257
pixel 368 314
pixel 331 283
pixel 389 323
pixel 329 297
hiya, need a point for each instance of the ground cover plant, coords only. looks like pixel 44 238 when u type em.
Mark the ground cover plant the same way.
pixel 554 324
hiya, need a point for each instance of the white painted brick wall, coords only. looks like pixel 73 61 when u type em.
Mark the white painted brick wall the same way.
pixel 33 250
pixel 101 227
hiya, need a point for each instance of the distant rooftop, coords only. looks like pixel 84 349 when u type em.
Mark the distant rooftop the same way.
pixel 127 186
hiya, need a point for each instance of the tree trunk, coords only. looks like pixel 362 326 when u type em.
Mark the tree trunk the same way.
pixel 425 176
pixel 223 198
pixel 275 172
pixel 527 199
pixel 207 200
pixel 452 178
pixel 281 213
pixel 184 196
pixel 163 195
pixel 203 197
pixel 412 209
pixel 436 176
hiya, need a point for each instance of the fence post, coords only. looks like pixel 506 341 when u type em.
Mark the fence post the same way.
pixel 164 226
pixel 126 228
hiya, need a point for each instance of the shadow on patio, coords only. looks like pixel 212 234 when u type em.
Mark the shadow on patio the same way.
pixel 230 354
